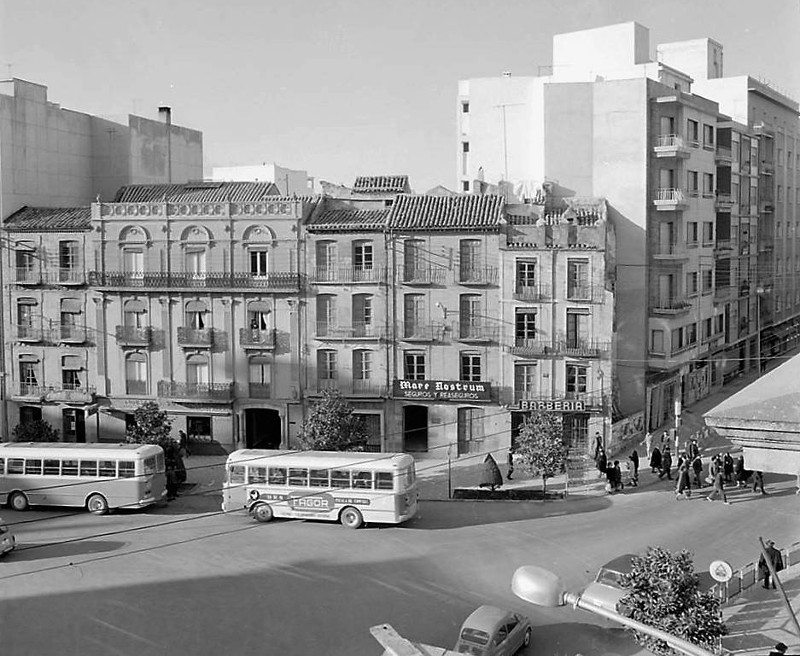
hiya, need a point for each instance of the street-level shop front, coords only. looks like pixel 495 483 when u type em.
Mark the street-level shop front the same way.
pixel 580 420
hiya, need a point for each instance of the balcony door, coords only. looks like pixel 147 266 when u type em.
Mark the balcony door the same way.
pixel 195 261
pixel 666 289
pixel 197 370
pixel 136 373
pixel 133 262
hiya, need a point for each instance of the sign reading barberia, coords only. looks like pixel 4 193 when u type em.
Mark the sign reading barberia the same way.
pixel 442 390
pixel 553 405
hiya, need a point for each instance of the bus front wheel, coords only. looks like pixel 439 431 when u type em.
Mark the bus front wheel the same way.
pixel 18 501
pixel 97 504
pixel 351 518
pixel 262 512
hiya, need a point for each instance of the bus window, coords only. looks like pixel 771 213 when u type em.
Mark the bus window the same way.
pixel 257 475
pixel 2 465
pixel 108 468
pixel 52 467
pixel 384 481
pixel 298 476
pixel 318 477
pixel 88 468
pixel 15 466
pixel 33 466
pixel 127 469
pixel 150 465
pixel 69 468
pixel 340 478
pixel 160 462
pixel 362 480
pixel 236 475
pixel 277 475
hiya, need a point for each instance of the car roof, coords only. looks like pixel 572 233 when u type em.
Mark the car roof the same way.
pixel 486 618
pixel 622 564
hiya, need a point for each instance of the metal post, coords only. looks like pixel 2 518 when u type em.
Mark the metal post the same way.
pixel 779 585
pixel 759 291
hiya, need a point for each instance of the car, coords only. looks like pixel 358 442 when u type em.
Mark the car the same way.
pixel 492 631
pixel 606 590
pixel 7 540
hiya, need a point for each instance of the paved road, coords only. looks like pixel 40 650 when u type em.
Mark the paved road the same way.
pixel 185 579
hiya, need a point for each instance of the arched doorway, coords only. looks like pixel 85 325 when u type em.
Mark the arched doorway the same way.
pixel 262 428
pixel 415 428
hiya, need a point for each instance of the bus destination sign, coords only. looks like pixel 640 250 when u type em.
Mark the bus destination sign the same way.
pixel 442 390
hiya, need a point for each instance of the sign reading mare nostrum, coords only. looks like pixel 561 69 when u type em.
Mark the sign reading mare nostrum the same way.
pixel 442 390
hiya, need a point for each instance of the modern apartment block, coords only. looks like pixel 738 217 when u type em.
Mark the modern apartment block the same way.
pixel 682 176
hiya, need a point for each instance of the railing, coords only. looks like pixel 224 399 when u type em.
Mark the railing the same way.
pixel 358 330
pixel 724 198
pixel 26 276
pixel 69 276
pixel 349 274
pixel 323 384
pixel 259 390
pixel 424 275
pixel 133 336
pixel 70 394
pixel 723 155
pixel 588 292
pixel 195 337
pixel 367 388
pixel 209 280
pixel 70 333
pixel 670 195
pixel 668 249
pixel 476 332
pixel 672 304
pixel 582 348
pixel 670 141
pixel 136 387
pixel 25 333
pixel 27 389
pixel 257 338
pixel 469 275
pixel 724 245
pixel 222 392
pixel 535 292
pixel 414 332
pixel 530 346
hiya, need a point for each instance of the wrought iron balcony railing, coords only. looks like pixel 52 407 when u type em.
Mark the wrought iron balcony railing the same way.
pixel 195 336
pixel 414 275
pixel 133 335
pixel 358 330
pixel 70 394
pixel 136 387
pixel 324 275
pixel 259 390
pixel 275 280
pixel 411 331
pixel 220 392
pixel 27 276
pixel 256 338
pixel 477 275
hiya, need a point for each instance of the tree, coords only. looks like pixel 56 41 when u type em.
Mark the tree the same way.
pixel 541 447
pixel 664 593
pixel 151 425
pixel 331 426
pixel 38 430
pixel 490 474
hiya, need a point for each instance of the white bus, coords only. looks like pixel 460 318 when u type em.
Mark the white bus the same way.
pixel 352 488
pixel 97 477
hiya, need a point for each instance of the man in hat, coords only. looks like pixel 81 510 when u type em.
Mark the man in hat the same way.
pixel 776 560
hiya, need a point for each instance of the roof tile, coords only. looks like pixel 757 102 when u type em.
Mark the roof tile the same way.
pixel 56 219
pixel 197 192
pixel 349 219
pixel 375 184
pixel 466 212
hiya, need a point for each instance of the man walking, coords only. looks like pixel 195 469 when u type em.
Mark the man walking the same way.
pixel 758 482
pixel 666 465
pixel 776 560
pixel 719 488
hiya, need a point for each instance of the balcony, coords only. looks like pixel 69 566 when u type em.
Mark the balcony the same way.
pixel 767 167
pixel 586 293
pixel 136 387
pixel 582 348
pixel 529 293
pixel 477 333
pixel 27 276
pixel 415 332
pixel 723 156
pixel 259 390
pixel 202 337
pixel 669 250
pixel 68 276
pixel 69 334
pixel 368 388
pixel 670 199
pixel 723 245
pixel 70 394
pixel 257 339
pixel 29 334
pixel 423 276
pixel 724 201
pixel 360 330
pixel 531 347
pixel 670 305
pixel 722 291
pixel 348 275
pixel 671 145
pixel 195 392
pixel 322 384
pixel 477 276
pixel 133 336
pixel 154 280
pixel 31 392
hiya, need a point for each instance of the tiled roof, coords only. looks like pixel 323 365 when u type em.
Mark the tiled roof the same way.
pixel 197 192
pixel 374 184
pixel 58 219
pixel 446 212
pixel 349 219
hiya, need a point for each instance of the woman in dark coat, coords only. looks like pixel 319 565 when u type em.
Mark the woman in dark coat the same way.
pixel 601 461
pixel 655 460
pixel 740 472
pixel 683 487
pixel 727 468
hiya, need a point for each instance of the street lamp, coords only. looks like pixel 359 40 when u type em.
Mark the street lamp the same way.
pixel 542 587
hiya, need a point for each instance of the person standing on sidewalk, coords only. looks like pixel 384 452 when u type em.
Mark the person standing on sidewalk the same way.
pixel 758 482
pixel 601 461
pixel 683 488
pixel 648 443
pixel 727 467
pixel 719 488
pixel 697 466
pixel 510 465
pixel 777 563
pixel 666 465
pixel 655 461
pixel 634 458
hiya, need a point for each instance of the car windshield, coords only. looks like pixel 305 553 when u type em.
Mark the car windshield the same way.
pixel 609 577
pixel 475 636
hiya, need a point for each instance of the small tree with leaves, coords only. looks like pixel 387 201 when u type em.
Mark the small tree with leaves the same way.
pixel 151 425
pixel 331 426
pixel 490 474
pixel 663 592
pixel 541 447
pixel 38 430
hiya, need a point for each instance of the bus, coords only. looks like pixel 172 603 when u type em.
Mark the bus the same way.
pixel 98 477
pixel 349 487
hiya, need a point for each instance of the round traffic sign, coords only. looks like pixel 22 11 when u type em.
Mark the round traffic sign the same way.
pixel 720 571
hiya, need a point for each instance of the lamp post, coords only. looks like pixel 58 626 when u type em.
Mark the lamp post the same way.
pixel 759 292
pixel 542 587
pixel 601 376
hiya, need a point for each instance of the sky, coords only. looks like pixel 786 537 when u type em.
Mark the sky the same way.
pixel 342 88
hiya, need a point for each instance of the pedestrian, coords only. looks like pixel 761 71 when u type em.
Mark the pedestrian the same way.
pixel 611 479
pixel 727 467
pixel 694 449
pixel 778 650
pixel 172 479
pixel 666 465
pixel 739 471
pixel 183 444
pixel 634 458
pixel 655 460
pixel 758 482
pixel 601 461
pixel 777 563
pixel 648 443
pixel 510 465
pixel 683 487
pixel 664 441
pixel 719 489
pixel 598 444
pixel 618 485
pixel 697 466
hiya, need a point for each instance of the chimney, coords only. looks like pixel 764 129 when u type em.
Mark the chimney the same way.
pixel 165 114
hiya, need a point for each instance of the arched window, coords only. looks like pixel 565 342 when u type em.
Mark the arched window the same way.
pixel 136 373
pixel 195 315
pixel 133 314
pixel 258 315
pixel 196 244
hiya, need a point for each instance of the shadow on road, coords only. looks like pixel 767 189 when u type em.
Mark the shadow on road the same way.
pixel 28 552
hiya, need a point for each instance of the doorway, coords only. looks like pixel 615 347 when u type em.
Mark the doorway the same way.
pixel 415 429
pixel 262 428
pixel 73 424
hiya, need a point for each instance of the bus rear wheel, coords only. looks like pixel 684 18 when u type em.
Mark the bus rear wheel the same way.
pixel 351 517
pixel 263 512
pixel 18 501
pixel 97 504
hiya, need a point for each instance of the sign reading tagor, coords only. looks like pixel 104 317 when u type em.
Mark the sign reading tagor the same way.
pixel 442 390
